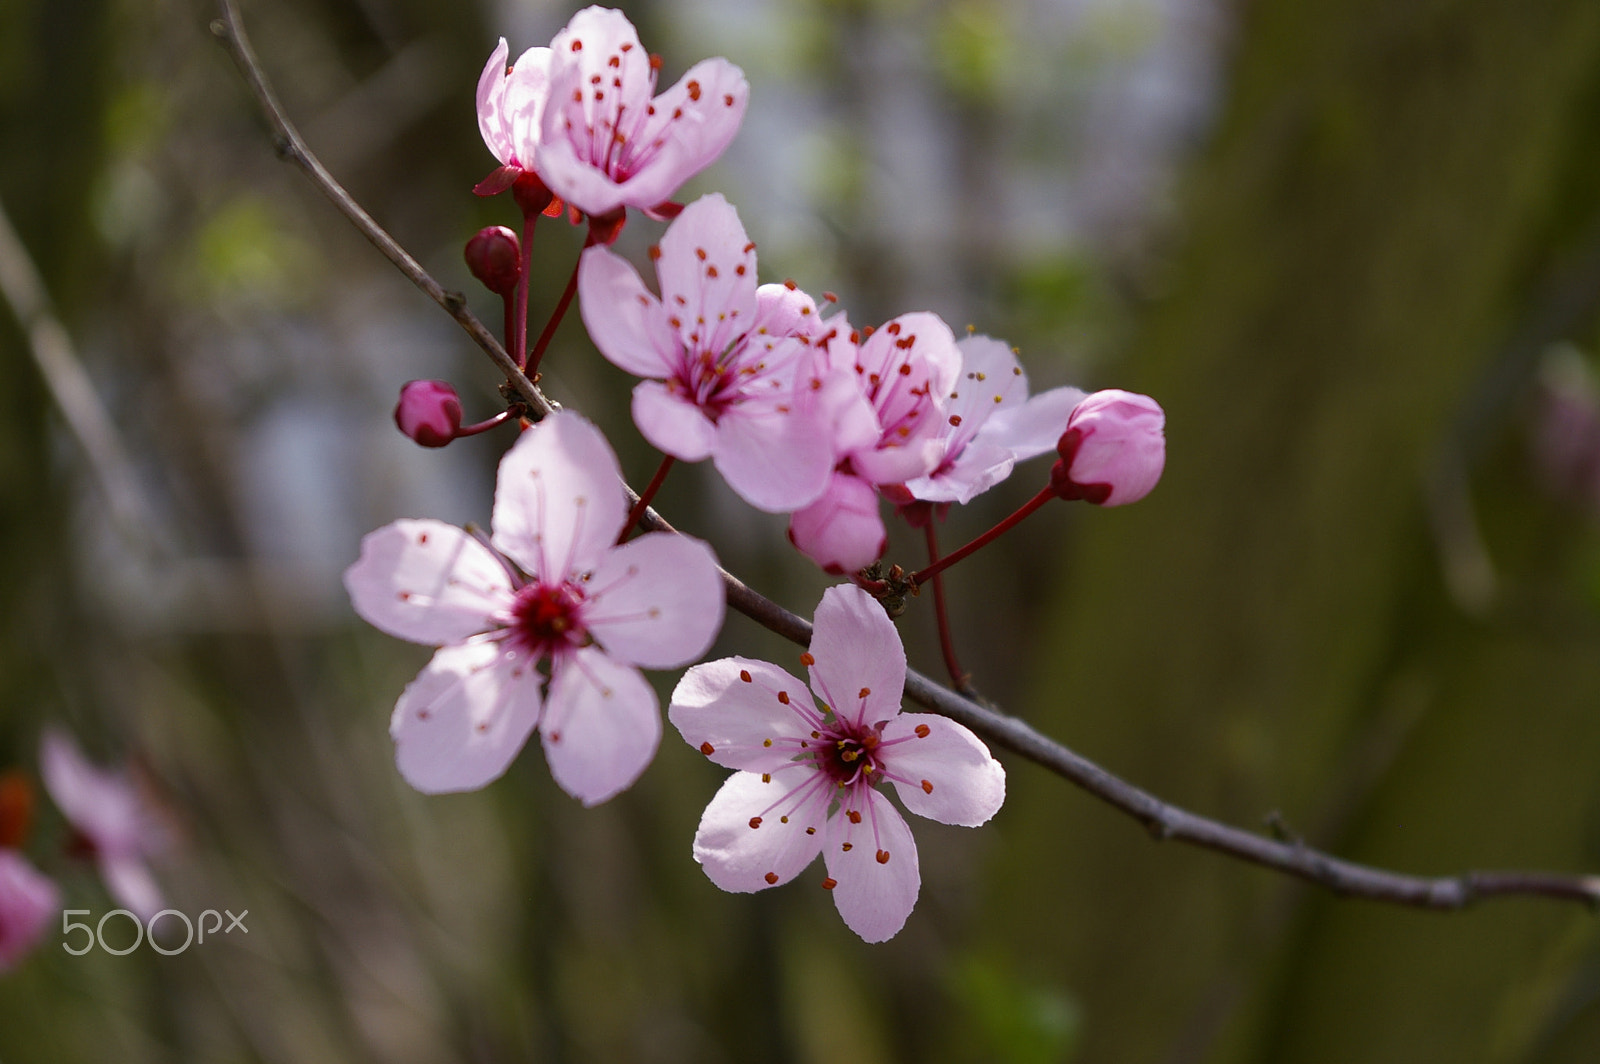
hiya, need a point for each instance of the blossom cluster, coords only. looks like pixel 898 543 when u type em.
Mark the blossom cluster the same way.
pixel 544 622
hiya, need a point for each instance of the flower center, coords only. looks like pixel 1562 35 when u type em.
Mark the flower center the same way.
pixel 850 755
pixel 546 618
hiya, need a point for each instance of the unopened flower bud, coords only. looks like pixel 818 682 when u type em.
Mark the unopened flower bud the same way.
pixel 1113 450
pixel 429 412
pixel 495 258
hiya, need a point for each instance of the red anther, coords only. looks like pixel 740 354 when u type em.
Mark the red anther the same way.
pixel 744 674
pixel 922 731
pixel 655 61
pixel 829 297
pixel 429 412
pixel 883 856
pixel 828 883
pixel 807 659
pixel 694 91
pixel 927 788
pixel 771 878
pixel 854 815
pixel 864 692
pixel 654 252
pixel 495 257
pixel 707 749
pixel 755 822
pixel 783 696
pixel 893 328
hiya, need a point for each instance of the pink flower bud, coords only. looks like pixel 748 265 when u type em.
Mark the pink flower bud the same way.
pixel 1113 450
pixel 429 412
pixel 495 258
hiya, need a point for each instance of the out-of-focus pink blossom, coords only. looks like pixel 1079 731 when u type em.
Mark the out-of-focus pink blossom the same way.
pixel 554 588
pixel 29 900
pixel 811 777
pixel 990 423
pixel 429 412
pixel 604 142
pixel 511 102
pixel 884 397
pixel 729 364
pixel 111 820
pixel 1113 449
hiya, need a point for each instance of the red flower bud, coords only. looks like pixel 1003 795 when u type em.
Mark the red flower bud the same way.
pixel 495 258
pixel 429 412
pixel 1113 450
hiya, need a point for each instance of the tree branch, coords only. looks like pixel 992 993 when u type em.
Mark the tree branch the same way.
pixel 1161 819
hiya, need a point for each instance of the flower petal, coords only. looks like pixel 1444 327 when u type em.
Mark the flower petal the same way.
pixel 624 319
pixel 693 122
pixel 784 310
pixel 428 582
pixel 491 102
pixel 789 824
pixel 858 663
pixel 129 882
pixel 942 771
pixel 842 531
pixel 101 804
pixel 558 503
pixel 460 723
pixel 874 867
pixel 602 725
pixel 656 601
pixel 1033 427
pixel 731 711
pixel 671 423
pixel 28 901
pixel 776 456
pixel 707 270
pixel 979 467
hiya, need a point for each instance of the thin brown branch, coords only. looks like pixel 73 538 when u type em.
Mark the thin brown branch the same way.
pixel 1161 819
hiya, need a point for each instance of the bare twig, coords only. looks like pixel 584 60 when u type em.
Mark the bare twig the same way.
pixel 1162 820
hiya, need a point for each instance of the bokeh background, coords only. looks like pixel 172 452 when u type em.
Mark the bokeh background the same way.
pixel 1352 246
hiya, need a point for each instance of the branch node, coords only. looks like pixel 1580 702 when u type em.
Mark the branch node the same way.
pixel 283 147
pixel 454 301
pixel 219 29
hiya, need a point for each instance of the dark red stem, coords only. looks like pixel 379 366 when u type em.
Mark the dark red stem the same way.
pixel 555 320
pixel 922 576
pixel 483 426
pixel 517 316
pixel 649 493
pixel 947 646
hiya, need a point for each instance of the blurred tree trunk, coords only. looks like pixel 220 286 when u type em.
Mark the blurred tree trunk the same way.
pixel 1387 187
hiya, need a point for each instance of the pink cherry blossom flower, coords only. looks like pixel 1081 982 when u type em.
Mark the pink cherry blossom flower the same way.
pixel 886 429
pixel 991 424
pixel 1113 449
pixel 729 364
pixel 28 901
pixel 112 821
pixel 604 142
pixel 511 104
pixel 811 778
pixel 554 588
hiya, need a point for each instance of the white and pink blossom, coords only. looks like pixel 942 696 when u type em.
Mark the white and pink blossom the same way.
pixel 511 102
pixel 886 427
pixel 990 423
pixel 551 589
pixel 112 821
pixel 606 140
pixel 1113 449
pixel 811 777
pixel 29 900
pixel 729 364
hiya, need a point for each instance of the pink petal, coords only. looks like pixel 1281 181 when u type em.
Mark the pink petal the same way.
pixel 101 804
pixel 1034 427
pixel 980 467
pixel 842 531
pixel 130 884
pixel 671 423
pixel 947 773
pixel 462 721
pixel 740 858
pixel 656 601
pixel 29 902
pixel 784 310
pixel 624 319
pixel 909 404
pixel 877 879
pixel 776 456
pixel 602 726
pixel 859 664
pixel 899 461
pixel 491 104
pixel 526 92
pixel 693 122
pixel 707 270
pixel 715 707
pixel 427 581
pixel 558 503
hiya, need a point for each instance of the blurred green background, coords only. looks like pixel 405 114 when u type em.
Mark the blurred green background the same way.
pixel 1337 240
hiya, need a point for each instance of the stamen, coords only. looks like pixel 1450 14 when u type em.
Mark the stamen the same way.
pixel 707 749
